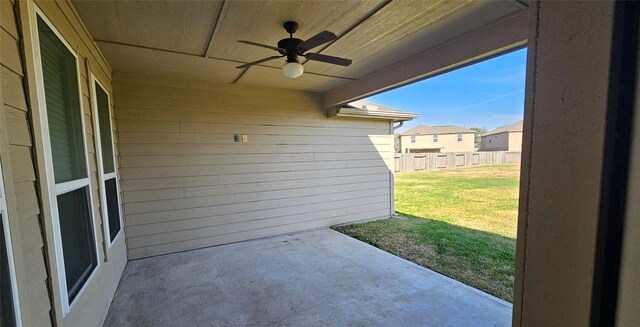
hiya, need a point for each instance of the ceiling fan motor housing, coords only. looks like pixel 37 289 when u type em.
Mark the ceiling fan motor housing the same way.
pixel 290 44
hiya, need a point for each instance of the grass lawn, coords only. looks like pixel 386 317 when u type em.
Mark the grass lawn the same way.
pixel 460 223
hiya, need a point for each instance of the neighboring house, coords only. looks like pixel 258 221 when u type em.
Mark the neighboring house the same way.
pixel 450 138
pixel 505 138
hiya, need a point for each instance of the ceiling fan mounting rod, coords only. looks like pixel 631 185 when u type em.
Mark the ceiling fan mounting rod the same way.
pixel 290 27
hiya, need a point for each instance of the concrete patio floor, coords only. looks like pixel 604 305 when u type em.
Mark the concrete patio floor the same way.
pixel 313 278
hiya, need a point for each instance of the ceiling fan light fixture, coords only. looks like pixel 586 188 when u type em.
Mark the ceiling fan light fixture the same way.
pixel 292 47
pixel 293 69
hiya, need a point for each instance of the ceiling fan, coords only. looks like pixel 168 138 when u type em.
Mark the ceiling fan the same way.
pixel 292 48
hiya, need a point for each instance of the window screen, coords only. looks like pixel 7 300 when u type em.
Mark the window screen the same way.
pixel 7 315
pixel 111 191
pixel 105 129
pixel 63 107
pixel 77 239
pixel 65 117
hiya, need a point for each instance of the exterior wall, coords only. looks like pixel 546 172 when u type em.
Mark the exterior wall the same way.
pixel 16 150
pixel 448 142
pixel 21 151
pixel 496 142
pixel 187 184
pixel 515 141
pixel 507 141
pixel 565 105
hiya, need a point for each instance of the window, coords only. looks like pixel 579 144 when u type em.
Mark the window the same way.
pixel 459 137
pixel 106 166
pixel 413 139
pixel 9 306
pixel 66 160
pixel 435 138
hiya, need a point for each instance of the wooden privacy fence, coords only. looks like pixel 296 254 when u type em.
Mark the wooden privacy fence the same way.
pixel 414 162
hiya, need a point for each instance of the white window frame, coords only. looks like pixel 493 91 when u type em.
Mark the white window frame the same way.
pixel 102 177
pixel 413 138
pixel 49 180
pixel 459 137
pixel 435 138
pixel 9 246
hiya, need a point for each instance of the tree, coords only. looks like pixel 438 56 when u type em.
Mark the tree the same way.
pixel 479 132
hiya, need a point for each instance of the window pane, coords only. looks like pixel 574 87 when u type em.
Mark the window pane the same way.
pixel 7 315
pixel 78 244
pixel 63 106
pixel 105 129
pixel 112 207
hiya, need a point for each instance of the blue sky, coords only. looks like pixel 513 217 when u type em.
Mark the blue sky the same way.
pixel 488 94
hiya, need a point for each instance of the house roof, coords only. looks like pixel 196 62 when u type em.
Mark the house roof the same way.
pixel 447 129
pixel 515 127
pixel 365 109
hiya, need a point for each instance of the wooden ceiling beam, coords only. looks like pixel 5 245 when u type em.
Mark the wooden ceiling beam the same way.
pixel 492 40
pixel 215 29
pixel 188 56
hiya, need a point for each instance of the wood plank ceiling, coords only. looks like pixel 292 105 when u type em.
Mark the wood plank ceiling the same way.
pixel 198 39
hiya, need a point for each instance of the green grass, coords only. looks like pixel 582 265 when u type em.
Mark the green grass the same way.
pixel 460 223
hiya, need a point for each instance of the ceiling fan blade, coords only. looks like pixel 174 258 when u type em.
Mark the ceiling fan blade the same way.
pixel 328 59
pixel 259 61
pixel 262 45
pixel 320 38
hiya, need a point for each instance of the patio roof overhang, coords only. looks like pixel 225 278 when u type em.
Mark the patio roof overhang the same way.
pixel 392 43
pixel 359 109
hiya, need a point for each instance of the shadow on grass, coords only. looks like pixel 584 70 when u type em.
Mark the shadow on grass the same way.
pixel 477 258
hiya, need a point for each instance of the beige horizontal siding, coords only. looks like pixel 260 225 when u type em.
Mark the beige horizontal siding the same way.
pixel 40 303
pixel 175 193
pixel 186 224
pixel 20 178
pixel 255 210
pixel 172 182
pixel 237 227
pixel 247 196
pixel 248 234
pixel 187 184
pixel 182 149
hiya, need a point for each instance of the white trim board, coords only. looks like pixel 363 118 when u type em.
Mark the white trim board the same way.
pixel 102 176
pixel 9 246
pixel 49 178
